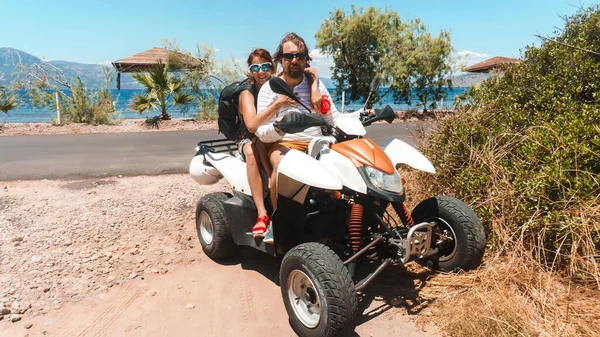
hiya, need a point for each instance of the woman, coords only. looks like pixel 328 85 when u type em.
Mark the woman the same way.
pixel 262 68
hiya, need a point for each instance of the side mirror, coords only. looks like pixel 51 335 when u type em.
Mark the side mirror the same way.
pixel 374 85
pixel 279 86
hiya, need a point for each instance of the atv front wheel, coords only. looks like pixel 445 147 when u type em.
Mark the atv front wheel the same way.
pixel 459 236
pixel 212 228
pixel 317 291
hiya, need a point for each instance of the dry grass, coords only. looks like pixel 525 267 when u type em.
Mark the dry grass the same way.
pixel 512 293
pixel 512 296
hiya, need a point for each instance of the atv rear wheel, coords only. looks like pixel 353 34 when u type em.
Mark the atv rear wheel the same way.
pixel 456 221
pixel 317 291
pixel 212 228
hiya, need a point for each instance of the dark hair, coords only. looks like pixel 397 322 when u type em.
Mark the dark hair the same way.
pixel 264 55
pixel 297 40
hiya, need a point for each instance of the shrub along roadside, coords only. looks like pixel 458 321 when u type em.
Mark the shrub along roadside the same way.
pixel 526 155
pixel 77 104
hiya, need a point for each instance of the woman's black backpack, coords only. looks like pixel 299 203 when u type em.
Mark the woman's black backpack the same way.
pixel 229 119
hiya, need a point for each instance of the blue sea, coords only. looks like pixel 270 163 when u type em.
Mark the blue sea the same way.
pixel 26 113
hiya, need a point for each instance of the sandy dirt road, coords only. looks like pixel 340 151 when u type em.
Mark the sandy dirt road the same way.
pixel 120 257
pixel 200 299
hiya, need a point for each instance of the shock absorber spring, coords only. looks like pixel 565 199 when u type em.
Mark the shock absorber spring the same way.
pixel 403 214
pixel 355 225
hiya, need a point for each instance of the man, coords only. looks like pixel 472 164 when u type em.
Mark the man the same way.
pixel 292 53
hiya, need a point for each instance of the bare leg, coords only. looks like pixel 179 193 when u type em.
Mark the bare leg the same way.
pixel 260 151
pixel 254 179
pixel 255 182
pixel 276 157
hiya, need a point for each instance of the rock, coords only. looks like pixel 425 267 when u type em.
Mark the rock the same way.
pixel 20 307
pixel 168 262
pixel 46 289
pixel 15 318
pixel 28 326
pixel 5 311
pixel 133 275
pixel 153 293
pixel 395 302
pixel 35 259
pixel 190 306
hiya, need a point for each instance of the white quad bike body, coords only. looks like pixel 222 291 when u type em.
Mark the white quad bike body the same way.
pixel 340 204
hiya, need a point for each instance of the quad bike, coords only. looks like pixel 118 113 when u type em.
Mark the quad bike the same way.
pixel 339 206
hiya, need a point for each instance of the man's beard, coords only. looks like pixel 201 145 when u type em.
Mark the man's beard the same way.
pixel 294 72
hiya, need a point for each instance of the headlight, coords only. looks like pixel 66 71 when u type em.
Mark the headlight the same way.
pixel 388 182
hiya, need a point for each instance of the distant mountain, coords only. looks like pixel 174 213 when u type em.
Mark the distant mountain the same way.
pixel 9 60
pixel 465 80
pixel 91 74
pixel 327 82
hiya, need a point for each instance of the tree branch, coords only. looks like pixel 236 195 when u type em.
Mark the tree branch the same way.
pixel 350 65
pixel 378 98
pixel 60 78
pixel 568 45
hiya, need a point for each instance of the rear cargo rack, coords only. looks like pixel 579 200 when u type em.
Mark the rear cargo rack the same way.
pixel 217 146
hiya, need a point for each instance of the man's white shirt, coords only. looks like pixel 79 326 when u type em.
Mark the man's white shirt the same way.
pixel 267 133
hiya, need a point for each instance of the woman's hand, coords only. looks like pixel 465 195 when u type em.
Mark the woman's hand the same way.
pixel 315 99
pixel 311 74
pixel 315 93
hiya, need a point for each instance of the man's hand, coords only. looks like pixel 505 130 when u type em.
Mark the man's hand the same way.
pixel 277 120
pixel 283 101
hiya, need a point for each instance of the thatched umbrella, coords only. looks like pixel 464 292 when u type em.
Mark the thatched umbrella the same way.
pixel 143 62
pixel 490 65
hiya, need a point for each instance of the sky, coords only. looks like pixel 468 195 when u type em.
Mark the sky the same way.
pixel 101 31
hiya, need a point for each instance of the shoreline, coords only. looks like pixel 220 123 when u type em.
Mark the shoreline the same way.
pixel 175 124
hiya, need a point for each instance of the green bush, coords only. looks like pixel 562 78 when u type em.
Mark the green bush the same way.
pixel 79 105
pixel 89 107
pixel 526 151
pixel 7 100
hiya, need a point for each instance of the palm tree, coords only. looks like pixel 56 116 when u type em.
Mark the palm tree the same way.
pixel 160 88
pixel 7 102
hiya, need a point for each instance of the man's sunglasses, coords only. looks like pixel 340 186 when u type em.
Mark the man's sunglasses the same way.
pixel 257 67
pixel 290 56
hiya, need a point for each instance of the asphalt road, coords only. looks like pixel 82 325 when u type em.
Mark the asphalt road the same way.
pixel 127 154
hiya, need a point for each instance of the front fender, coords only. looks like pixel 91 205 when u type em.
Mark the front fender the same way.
pixel 401 153
pixel 307 170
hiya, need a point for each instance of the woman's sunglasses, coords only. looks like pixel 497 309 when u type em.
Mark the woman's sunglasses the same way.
pixel 257 67
pixel 290 56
